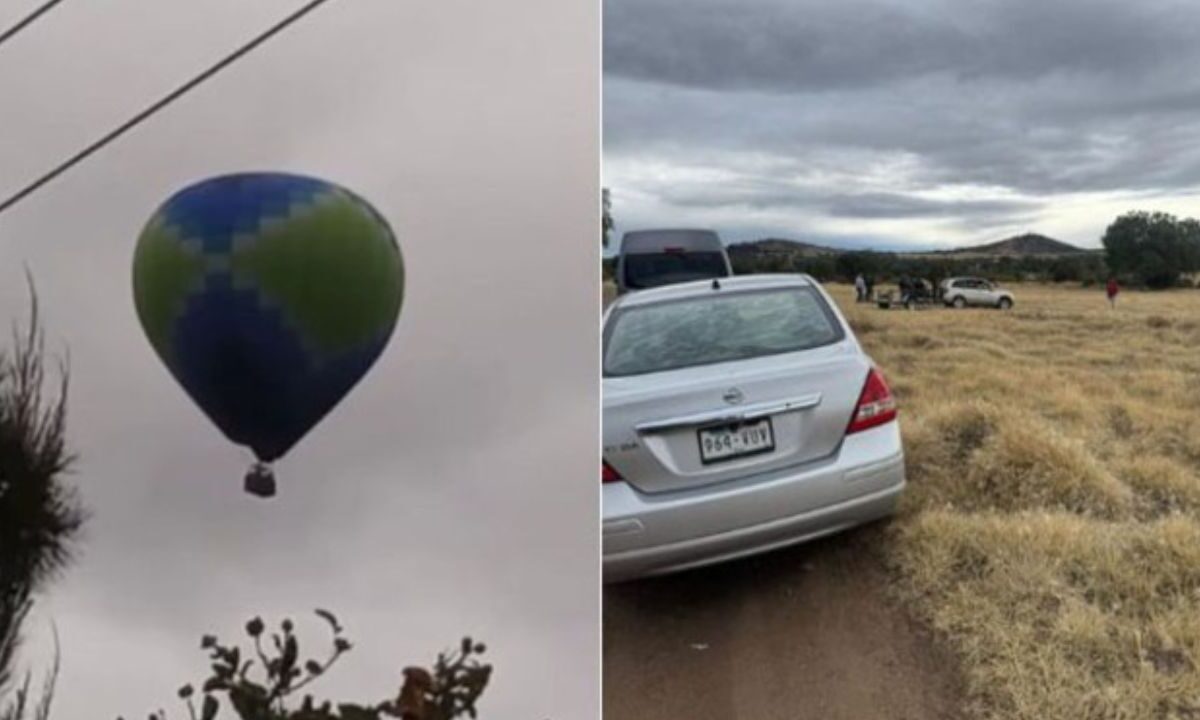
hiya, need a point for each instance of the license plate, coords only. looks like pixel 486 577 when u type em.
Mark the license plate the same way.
pixel 734 441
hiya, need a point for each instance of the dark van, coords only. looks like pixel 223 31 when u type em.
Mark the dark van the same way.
pixel 650 258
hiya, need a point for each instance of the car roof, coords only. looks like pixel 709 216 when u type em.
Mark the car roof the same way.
pixel 653 241
pixel 679 291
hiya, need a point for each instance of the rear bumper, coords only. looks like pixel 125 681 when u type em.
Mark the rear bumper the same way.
pixel 648 534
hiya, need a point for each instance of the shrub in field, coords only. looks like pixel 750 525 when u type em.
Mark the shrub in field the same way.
pixel 979 456
pixel 1163 486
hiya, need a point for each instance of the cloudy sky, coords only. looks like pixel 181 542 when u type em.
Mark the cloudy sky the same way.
pixel 922 123
pixel 454 490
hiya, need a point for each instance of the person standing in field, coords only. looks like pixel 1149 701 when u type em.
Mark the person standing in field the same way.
pixel 1112 290
pixel 860 288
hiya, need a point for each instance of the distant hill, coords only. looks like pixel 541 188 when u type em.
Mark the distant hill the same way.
pixel 781 246
pixel 1024 257
pixel 1027 244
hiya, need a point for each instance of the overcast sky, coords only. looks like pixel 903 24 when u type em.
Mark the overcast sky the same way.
pixel 454 490
pixel 900 124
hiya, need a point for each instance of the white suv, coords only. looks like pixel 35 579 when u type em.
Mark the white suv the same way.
pixel 961 292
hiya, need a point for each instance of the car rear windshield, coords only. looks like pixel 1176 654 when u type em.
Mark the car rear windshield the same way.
pixel 720 327
pixel 654 269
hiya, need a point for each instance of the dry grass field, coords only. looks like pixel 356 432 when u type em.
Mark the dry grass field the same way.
pixel 1051 534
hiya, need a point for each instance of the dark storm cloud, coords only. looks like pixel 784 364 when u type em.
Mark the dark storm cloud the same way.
pixel 1029 99
pixel 803 46
pixel 881 205
pixel 849 205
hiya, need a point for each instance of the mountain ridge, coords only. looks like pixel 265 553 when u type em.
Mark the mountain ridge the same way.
pixel 1026 244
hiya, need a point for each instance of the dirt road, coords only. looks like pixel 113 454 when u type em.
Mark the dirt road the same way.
pixel 802 633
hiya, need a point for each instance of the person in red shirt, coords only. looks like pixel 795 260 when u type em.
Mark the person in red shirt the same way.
pixel 1112 290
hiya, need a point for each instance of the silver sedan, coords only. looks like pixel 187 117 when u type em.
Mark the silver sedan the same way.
pixel 740 415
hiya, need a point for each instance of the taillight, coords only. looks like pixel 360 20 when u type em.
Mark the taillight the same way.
pixel 607 474
pixel 876 405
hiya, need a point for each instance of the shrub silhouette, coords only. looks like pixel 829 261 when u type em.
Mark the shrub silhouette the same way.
pixel 263 682
pixel 40 517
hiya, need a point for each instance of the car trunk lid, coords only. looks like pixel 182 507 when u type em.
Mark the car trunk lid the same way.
pixel 696 426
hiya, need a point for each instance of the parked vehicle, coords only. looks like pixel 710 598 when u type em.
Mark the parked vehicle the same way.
pixel 652 258
pixel 911 293
pixel 977 292
pixel 740 415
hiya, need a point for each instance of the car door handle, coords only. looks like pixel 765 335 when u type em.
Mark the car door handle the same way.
pixel 726 416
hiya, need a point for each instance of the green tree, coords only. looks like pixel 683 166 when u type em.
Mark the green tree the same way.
pixel 1153 249
pixel 40 517
pixel 850 264
pixel 821 267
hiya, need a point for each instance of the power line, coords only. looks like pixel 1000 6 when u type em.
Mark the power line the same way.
pixel 159 105
pixel 27 20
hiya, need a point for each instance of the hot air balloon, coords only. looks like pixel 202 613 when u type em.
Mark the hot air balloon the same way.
pixel 267 296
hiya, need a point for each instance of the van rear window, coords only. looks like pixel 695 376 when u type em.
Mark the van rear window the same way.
pixel 652 270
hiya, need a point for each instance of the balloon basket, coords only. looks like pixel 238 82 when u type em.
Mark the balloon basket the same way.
pixel 260 481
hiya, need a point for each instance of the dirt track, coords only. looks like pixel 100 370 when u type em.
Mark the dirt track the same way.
pixel 802 633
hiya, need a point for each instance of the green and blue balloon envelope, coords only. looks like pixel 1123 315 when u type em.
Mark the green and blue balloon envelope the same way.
pixel 268 296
